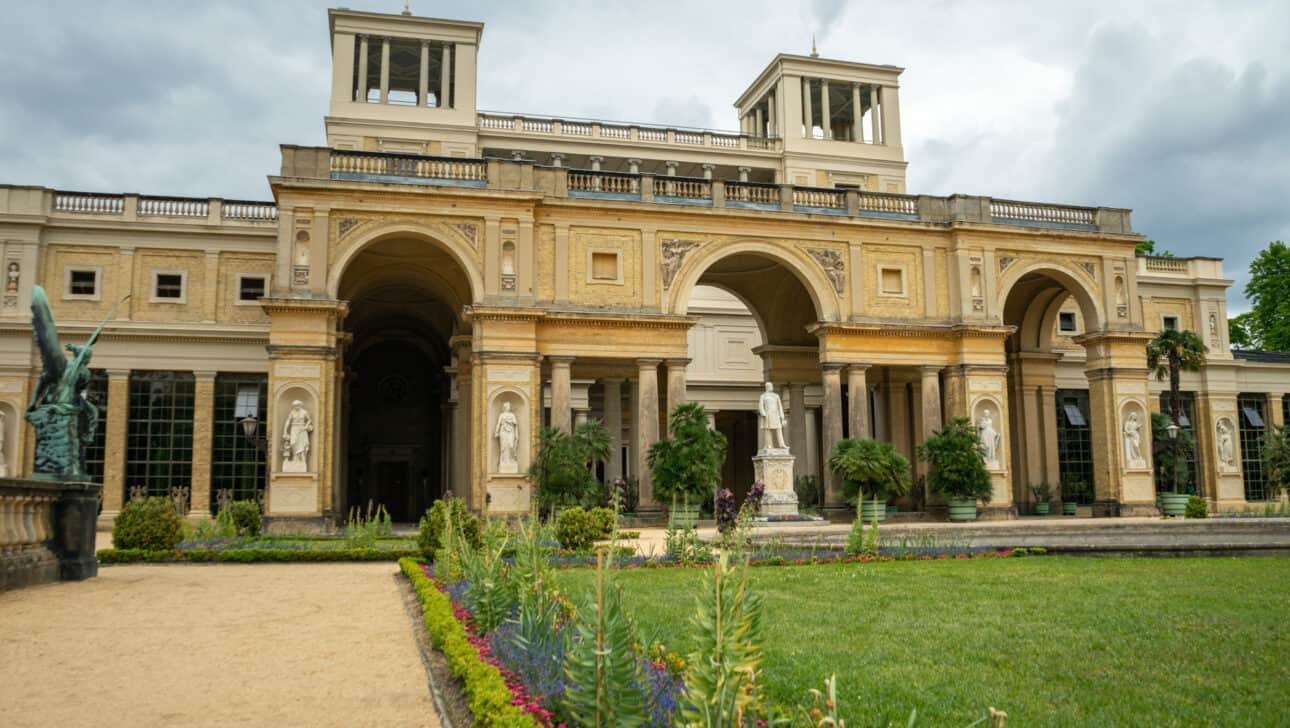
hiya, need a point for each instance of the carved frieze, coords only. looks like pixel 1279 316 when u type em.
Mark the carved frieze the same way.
pixel 834 267
pixel 1090 268
pixel 674 252
pixel 1005 261
pixel 344 226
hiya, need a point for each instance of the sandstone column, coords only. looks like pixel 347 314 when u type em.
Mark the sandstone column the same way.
pixel 797 428
pixel 385 70
pixel 114 438
pixel 858 402
pixel 857 114
pixel 423 78
pixel 931 397
pixel 203 435
pixel 646 427
pixel 613 393
pixel 362 91
pixel 442 100
pixel 832 379
pixel 675 384
pixel 561 413
pixel 826 123
pixel 1117 381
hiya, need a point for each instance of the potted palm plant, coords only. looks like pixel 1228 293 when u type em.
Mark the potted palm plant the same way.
pixel 872 472
pixel 687 465
pixel 957 469
pixel 564 471
pixel 1042 492
pixel 1168 355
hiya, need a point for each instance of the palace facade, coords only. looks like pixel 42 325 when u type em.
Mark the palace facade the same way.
pixel 435 264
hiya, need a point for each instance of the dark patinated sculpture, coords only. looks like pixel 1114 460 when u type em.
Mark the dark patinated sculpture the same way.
pixel 63 416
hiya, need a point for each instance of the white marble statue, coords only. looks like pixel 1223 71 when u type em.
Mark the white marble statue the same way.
pixel 295 439
pixel 990 439
pixel 4 460
pixel 771 421
pixel 1133 441
pixel 507 433
pixel 1226 443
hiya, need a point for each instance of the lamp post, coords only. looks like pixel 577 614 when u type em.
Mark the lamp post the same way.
pixel 250 430
pixel 1173 437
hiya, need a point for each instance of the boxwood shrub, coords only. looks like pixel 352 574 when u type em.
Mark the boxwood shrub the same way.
pixel 149 524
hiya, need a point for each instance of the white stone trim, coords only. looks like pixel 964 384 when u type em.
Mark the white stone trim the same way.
pixel 592 252
pixel 901 268
pixel 183 287
pixel 237 290
pixel 68 270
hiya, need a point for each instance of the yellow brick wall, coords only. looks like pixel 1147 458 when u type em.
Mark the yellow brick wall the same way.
pixel 544 260
pixel 603 293
pixel 910 258
pixel 1153 309
pixel 229 308
pixel 111 288
pixel 146 261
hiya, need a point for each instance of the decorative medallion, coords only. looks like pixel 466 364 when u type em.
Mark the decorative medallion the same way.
pixel 469 229
pixel 834 268
pixel 508 282
pixel 1089 268
pixel 1005 261
pixel 674 252
pixel 344 226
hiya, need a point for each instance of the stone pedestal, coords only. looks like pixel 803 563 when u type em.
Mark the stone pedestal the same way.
pixel 775 471
pixel 48 531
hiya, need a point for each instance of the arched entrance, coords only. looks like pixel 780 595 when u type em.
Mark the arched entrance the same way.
pixel 406 296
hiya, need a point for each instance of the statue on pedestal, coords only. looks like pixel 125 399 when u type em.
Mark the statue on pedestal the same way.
pixel 63 416
pixel 771 420
pixel 507 433
pixel 295 438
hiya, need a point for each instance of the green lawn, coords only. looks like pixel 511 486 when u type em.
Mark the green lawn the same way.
pixel 1051 640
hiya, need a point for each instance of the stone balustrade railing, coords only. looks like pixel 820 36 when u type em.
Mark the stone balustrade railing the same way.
pixel 46 531
pixel 129 206
pixel 525 175
pixel 625 131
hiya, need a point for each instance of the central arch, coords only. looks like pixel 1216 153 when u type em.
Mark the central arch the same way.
pixel 406 295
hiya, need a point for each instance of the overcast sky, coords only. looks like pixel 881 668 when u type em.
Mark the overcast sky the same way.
pixel 1180 111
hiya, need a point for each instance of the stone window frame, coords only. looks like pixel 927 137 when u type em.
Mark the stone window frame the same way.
pixel 183 287
pixel 903 269
pixel 592 280
pixel 237 287
pixel 1164 319
pixel 1074 319
pixel 68 270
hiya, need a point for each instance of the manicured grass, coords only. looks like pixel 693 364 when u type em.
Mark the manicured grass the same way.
pixel 1054 641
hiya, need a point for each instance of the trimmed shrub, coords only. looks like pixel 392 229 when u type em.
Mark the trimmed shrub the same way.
pixel 244 515
pixel 430 537
pixel 1196 508
pixel 250 556
pixel 602 520
pixel 575 529
pixel 149 524
pixel 486 692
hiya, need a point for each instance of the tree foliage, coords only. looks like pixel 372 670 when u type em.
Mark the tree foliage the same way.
pixel 563 470
pixel 1276 459
pixel 1268 322
pixel 1148 247
pixel 957 466
pixel 1243 333
pixel 1162 454
pixel 688 463
pixel 869 469
pixel 1172 352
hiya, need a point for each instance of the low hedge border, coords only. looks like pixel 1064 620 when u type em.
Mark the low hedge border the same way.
pixel 250 556
pixel 486 691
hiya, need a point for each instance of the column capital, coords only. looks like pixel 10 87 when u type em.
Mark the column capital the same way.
pixel 643 363
pixel 634 160
pixel 708 166
pixel 744 169
pixel 676 361
pixel 204 376
pixel 832 366
pixel 560 359
pixel 118 374
pixel 930 369
pixel 593 158
pixel 858 368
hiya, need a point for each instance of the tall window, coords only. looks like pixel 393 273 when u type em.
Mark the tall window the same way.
pixel 159 438
pixel 238 464
pixel 1251 414
pixel 97 393
pixel 1186 421
pixel 1075 440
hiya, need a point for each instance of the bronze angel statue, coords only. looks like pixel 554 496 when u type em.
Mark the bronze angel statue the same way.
pixel 62 414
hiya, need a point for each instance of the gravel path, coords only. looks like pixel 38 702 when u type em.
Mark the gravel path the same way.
pixel 214 645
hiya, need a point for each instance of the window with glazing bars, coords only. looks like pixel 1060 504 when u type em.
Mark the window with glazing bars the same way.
pixel 1075 440
pixel 238 463
pixel 1186 421
pixel 97 393
pixel 159 436
pixel 1250 413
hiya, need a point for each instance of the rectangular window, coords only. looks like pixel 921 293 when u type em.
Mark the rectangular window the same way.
pixel 238 463
pixel 159 433
pixel 1251 435
pixel 1075 441
pixel 1186 411
pixel 891 281
pixel 82 283
pixel 168 286
pixel 97 394
pixel 1066 322
pixel 250 289
pixel 1169 323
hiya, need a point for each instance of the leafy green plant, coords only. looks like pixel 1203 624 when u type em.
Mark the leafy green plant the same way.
pixel 1167 455
pixel 242 517
pixel 1168 355
pixel 603 521
pixel 809 490
pixel 148 524
pixel 363 528
pixel 862 540
pixel 563 469
pixel 1276 460
pixel 1196 508
pixel 491 592
pixel 435 520
pixel 1074 488
pixel 1043 492
pixel 576 530
pixel 870 469
pixel 602 664
pixel 688 463
pixel 957 469
pixel 684 545
pixel 721 687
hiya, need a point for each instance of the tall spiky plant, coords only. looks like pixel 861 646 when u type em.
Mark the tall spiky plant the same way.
pixel 720 688
pixel 603 668
pixel 1168 355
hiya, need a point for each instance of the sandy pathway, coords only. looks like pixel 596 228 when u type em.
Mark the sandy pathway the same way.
pixel 207 645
